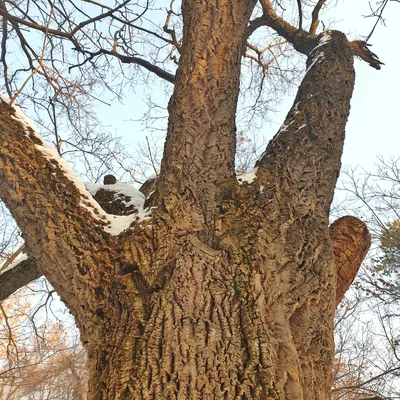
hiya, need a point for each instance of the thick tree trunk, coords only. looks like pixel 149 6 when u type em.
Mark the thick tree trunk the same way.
pixel 229 291
pixel 249 316
pixel 201 130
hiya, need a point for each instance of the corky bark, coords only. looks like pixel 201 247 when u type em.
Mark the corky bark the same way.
pixel 199 151
pixel 229 291
pixel 351 241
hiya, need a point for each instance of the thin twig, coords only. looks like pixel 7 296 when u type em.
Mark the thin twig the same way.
pixel 151 157
pixel 379 18
pixel 300 14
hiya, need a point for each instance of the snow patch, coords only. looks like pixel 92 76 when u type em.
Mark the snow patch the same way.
pixel 114 224
pixel 120 223
pixel 283 128
pixel 248 177
pixel 325 38
pixel 296 108
pixel 319 57
pixel 301 127
pixel 123 189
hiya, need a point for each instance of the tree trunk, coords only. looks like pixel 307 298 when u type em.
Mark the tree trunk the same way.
pixel 229 291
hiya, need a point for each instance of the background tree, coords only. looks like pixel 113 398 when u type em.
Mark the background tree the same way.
pixel 41 358
pixel 374 196
pixel 219 289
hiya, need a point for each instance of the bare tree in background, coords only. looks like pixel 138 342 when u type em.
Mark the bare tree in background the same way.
pixel 227 290
pixel 41 357
pixel 367 363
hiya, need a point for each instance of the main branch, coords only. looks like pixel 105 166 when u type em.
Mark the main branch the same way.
pixel 63 227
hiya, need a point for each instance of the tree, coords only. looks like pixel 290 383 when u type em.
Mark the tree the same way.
pixel 374 197
pixel 40 359
pixel 224 288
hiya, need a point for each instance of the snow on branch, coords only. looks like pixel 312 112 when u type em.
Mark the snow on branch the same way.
pixel 113 224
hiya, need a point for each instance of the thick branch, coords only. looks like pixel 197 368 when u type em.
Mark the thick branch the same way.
pixel 57 219
pixel 315 15
pixel 200 146
pixel 305 153
pixel 17 277
pixel 351 241
pixel 27 271
pixel 300 39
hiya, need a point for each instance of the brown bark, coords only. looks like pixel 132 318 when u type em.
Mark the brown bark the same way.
pixel 228 291
pixel 17 277
pixel 60 234
pixel 351 241
pixel 199 151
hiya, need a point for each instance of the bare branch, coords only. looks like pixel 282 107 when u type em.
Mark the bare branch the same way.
pixel 300 14
pixel 17 277
pixel 128 60
pixel 315 15
pixel 378 14
pixel 300 39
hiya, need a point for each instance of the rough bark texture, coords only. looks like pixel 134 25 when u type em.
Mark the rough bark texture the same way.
pixel 351 241
pixel 201 130
pixel 229 291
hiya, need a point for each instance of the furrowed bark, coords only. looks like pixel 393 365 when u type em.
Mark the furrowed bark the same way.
pixel 252 316
pixel 298 173
pixel 26 271
pixel 304 156
pixel 200 146
pixel 351 242
pixel 229 291
pixel 61 235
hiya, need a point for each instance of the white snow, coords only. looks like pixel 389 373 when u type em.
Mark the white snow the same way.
pixel 296 108
pixel 20 258
pixel 248 176
pixel 301 127
pixel 283 128
pixel 119 223
pixel 115 224
pixel 325 38
pixel 319 57
pixel 123 189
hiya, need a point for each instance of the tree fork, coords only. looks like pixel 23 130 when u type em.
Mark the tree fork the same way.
pixel 240 308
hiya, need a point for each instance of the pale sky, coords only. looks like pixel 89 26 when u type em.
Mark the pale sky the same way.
pixel 372 128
